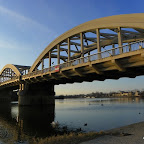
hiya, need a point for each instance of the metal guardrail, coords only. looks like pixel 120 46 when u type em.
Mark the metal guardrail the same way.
pixel 107 53
pixel 12 79
pixel 133 46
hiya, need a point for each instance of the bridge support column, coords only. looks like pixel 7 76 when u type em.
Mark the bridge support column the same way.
pixel 36 94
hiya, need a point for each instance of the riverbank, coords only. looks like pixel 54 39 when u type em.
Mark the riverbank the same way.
pixel 76 118
pixel 131 134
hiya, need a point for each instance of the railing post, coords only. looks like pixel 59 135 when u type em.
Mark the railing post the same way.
pixel 142 42
pixel 120 40
pixel 82 46
pixel 88 56
pixel 129 47
pixel 69 52
pixel 58 54
pixel 113 50
pixel 98 43
pixel 49 60
pixel 140 45
pixel 42 62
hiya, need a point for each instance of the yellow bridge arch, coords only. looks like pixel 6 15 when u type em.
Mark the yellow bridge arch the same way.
pixel 112 23
pixel 10 70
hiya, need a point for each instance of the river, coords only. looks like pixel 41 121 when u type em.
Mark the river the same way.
pixel 89 114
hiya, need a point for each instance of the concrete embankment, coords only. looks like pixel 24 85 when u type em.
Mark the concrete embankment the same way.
pixel 131 134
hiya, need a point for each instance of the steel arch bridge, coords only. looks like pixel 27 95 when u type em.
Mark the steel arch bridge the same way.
pixel 11 71
pixel 105 48
pixel 93 35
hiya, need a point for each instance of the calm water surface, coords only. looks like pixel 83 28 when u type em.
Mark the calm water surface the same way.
pixel 99 113
pixel 73 114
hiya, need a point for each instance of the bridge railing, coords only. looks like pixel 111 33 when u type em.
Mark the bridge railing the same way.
pixel 107 53
pixel 133 46
pixel 104 54
pixel 12 79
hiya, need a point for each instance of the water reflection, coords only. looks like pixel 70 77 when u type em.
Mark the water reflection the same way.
pixel 5 110
pixel 6 121
pixel 30 121
pixel 36 121
pixel 72 115
pixel 116 100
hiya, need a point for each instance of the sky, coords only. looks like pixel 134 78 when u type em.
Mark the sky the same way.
pixel 28 26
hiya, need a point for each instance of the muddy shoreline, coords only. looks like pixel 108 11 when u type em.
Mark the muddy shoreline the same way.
pixel 130 134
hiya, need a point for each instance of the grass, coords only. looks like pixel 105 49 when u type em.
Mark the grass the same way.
pixel 14 134
pixel 72 138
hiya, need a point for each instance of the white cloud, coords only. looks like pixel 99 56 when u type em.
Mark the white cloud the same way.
pixel 24 20
pixel 5 44
pixel 11 44
pixel 23 24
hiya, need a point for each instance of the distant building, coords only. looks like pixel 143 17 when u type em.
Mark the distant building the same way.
pixel 137 93
pixel 123 93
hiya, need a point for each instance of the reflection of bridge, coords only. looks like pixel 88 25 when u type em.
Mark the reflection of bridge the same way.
pixel 105 48
pixel 33 121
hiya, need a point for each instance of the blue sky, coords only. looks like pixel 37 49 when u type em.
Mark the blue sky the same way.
pixel 28 26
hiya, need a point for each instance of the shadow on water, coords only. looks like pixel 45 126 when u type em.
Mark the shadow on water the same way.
pixel 36 121
pixel 31 121
pixel 5 110
pixel 40 122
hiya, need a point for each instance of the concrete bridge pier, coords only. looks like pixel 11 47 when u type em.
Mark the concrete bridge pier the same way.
pixel 36 94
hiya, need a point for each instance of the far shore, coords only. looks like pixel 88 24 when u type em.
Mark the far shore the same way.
pixel 75 97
